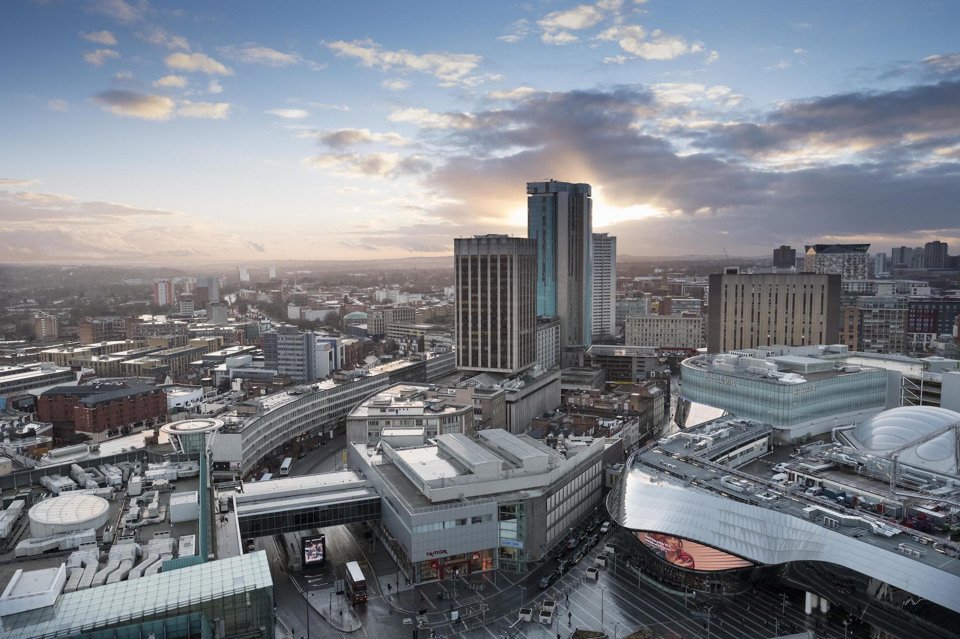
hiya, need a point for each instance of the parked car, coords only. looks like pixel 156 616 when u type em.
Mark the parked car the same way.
pixel 546 582
pixel 605 528
pixel 572 543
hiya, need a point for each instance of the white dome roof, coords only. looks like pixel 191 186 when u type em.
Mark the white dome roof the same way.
pixel 899 427
pixel 895 430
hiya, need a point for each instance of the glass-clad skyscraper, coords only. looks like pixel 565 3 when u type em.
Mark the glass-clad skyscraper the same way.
pixel 560 219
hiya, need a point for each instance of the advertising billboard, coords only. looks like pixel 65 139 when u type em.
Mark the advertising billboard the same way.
pixel 314 550
pixel 689 554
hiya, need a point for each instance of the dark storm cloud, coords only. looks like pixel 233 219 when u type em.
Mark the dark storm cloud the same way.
pixel 867 119
pixel 867 164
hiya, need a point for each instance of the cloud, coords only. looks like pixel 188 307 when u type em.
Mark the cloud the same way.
pixel 661 47
pixel 920 117
pixel 162 37
pixel 214 87
pixel 517 93
pixel 8 182
pixel 290 114
pixel 58 105
pixel 257 246
pixel 395 84
pixel 689 186
pixel 634 32
pixel 100 37
pixel 204 110
pixel 171 82
pixel 252 53
pixel 558 38
pixel 135 105
pixel 330 107
pixel 517 31
pixel 343 138
pixel 120 10
pixel 99 56
pixel 426 119
pixel 450 69
pixel 583 16
pixel 946 64
pixel 374 164
pixel 196 62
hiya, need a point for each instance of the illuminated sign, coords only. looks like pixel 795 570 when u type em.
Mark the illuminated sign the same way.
pixel 689 554
pixel 435 553
pixel 314 551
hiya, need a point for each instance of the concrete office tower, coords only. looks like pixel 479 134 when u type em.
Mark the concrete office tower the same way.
pixel 560 220
pixel 243 274
pixel 881 264
pixel 849 261
pixel 788 309
pixel 901 256
pixel 604 285
pixel 495 303
pixel 935 255
pixel 206 290
pixel 784 257
pixel 163 293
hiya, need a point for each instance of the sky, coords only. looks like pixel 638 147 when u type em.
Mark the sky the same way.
pixel 179 132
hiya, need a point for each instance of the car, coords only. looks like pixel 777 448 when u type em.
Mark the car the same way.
pixel 780 468
pixel 579 556
pixel 562 566
pixel 572 543
pixel 547 581
pixel 605 528
pixel 592 541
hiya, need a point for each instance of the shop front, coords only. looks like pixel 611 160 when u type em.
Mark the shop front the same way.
pixel 443 566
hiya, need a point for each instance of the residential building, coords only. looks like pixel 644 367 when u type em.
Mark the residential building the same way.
pixel 163 292
pixel 101 411
pixel 206 290
pixel 901 257
pixel 849 334
pixel 604 286
pixel 881 264
pixel 935 255
pixel 186 304
pixel 378 318
pixel 45 327
pixel 929 318
pixel 664 331
pixel 849 261
pixel 784 257
pixel 793 309
pixel 632 306
pixel 217 313
pixel 559 219
pixel 495 303
pixel 883 324
pixel 548 342
pixel 93 330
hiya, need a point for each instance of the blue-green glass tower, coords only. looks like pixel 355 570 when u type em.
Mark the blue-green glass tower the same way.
pixel 560 219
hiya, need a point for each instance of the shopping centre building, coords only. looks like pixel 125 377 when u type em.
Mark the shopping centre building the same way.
pixel 861 519
pixel 462 504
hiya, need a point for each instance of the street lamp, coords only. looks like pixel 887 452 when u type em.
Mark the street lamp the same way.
pixel 602 591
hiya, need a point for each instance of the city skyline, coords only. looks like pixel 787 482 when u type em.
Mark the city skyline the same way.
pixel 152 132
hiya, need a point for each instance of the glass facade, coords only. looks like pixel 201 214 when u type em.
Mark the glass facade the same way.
pixel 785 404
pixel 292 520
pixel 236 593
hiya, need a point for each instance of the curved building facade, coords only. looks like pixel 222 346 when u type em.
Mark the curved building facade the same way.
pixel 691 520
pixel 189 435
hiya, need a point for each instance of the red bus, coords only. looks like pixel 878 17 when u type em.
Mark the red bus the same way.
pixel 356 583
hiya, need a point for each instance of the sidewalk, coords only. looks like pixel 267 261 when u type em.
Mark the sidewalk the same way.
pixel 335 608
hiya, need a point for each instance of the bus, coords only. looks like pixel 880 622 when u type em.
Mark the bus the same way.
pixel 285 466
pixel 356 583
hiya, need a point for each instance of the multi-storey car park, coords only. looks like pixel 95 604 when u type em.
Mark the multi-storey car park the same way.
pixel 861 520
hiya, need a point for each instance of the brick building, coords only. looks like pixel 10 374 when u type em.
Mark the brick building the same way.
pixel 102 411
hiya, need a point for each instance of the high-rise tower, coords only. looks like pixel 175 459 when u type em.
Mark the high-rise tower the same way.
pixel 496 303
pixel 560 220
pixel 604 285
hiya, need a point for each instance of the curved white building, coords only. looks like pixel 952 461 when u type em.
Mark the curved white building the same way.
pixel 831 519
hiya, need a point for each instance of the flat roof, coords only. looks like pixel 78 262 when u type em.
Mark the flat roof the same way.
pixel 427 463
pixel 511 444
pixel 466 450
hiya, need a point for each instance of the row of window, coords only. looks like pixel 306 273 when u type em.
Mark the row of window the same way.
pixel 454 523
